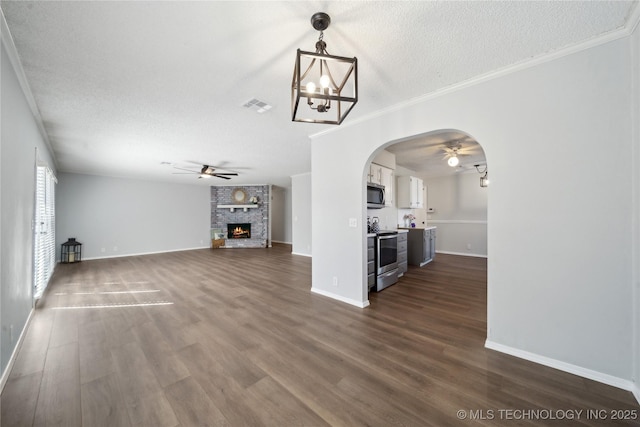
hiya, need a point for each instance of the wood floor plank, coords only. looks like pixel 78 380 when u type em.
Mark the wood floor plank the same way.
pixel 279 407
pixel 228 395
pixel 153 410
pixel 165 364
pixel 102 403
pixel 136 378
pixel 242 341
pixel 33 351
pixel 19 399
pixel 192 405
pixel 59 396
pixel 95 354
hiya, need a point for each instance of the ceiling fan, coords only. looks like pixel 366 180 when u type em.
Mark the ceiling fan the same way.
pixel 206 172
pixel 453 151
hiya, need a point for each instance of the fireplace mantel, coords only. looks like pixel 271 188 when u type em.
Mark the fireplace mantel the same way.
pixel 232 208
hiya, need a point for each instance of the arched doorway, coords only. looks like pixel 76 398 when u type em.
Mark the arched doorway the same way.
pixel 455 195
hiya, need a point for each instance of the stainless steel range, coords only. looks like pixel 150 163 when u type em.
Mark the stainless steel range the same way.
pixel 386 259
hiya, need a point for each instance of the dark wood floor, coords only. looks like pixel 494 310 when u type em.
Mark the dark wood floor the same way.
pixel 235 337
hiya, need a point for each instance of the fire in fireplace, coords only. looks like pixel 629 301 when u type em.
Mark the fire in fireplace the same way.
pixel 238 231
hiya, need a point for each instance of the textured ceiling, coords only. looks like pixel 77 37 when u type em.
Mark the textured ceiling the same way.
pixel 125 86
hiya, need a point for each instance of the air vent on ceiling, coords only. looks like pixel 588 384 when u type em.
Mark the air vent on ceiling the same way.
pixel 257 105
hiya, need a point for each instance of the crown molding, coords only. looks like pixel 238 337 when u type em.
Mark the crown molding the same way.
pixel 631 24
pixel 633 19
pixel 14 58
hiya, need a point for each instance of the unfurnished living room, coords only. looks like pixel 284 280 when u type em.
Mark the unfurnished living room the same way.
pixel 345 213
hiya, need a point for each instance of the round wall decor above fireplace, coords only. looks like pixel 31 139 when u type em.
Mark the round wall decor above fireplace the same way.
pixel 239 195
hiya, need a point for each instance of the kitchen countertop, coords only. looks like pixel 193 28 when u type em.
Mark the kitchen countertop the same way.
pixel 417 228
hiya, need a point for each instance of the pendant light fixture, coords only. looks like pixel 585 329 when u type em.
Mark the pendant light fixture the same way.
pixel 484 179
pixel 324 87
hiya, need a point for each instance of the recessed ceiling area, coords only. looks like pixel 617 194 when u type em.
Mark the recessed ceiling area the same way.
pixel 124 86
pixel 427 155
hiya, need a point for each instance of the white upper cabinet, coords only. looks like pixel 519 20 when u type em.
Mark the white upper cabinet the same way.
pixel 384 176
pixel 410 193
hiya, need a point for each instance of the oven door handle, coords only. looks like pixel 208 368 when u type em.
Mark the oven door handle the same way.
pixel 390 236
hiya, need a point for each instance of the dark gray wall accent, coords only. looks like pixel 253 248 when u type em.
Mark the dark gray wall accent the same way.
pixel 257 217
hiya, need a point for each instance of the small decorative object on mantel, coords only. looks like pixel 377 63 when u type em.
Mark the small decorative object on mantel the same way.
pixel 408 220
pixel 71 251
pixel 238 195
pixel 253 200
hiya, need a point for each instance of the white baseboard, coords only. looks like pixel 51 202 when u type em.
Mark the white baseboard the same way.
pixel 566 367
pixel 462 254
pixel 301 254
pixel 14 354
pixel 284 243
pixel 359 304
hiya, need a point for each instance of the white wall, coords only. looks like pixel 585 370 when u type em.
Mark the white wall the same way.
pixel 301 214
pixel 460 213
pixel 280 214
pixel 635 46
pixel 559 280
pixel 19 139
pixel 130 217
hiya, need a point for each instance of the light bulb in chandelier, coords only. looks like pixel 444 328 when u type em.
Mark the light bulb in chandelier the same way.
pixel 453 161
pixel 310 87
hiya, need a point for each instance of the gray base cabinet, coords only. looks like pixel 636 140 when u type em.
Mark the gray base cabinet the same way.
pixel 371 262
pixel 421 245
pixel 402 253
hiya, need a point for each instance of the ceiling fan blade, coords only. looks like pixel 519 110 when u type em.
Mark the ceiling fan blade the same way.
pixel 183 169
pixel 219 176
pixel 224 173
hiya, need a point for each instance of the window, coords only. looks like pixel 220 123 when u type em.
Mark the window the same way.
pixel 44 230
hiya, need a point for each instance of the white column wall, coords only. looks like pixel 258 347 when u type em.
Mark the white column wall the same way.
pixel 559 209
pixel 635 55
pixel 301 214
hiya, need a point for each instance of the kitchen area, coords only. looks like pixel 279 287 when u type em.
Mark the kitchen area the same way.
pixel 397 231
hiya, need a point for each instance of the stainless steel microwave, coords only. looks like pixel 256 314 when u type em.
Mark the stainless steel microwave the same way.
pixel 375 196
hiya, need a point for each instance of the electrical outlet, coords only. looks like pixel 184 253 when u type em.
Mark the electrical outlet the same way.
pixel 353 222
pixel 103 250
pixel 468 246
pixel 334 281
pixel 115 249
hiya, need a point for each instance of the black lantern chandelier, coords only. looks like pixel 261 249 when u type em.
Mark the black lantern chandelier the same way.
pixel 328 83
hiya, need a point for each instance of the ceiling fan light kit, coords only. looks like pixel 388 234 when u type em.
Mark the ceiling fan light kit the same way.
pixel 453 161
pixel 328 83
pixel 206 172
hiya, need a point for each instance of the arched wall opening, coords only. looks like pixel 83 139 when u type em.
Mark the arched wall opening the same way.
pixel 547 282
pixel 453 200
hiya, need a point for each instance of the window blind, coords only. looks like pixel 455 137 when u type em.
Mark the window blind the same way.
pixel 44 230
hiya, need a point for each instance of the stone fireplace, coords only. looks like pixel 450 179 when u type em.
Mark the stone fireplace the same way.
pixel 241 214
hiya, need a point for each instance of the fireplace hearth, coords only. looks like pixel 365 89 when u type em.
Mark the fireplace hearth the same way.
pixel 239 231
